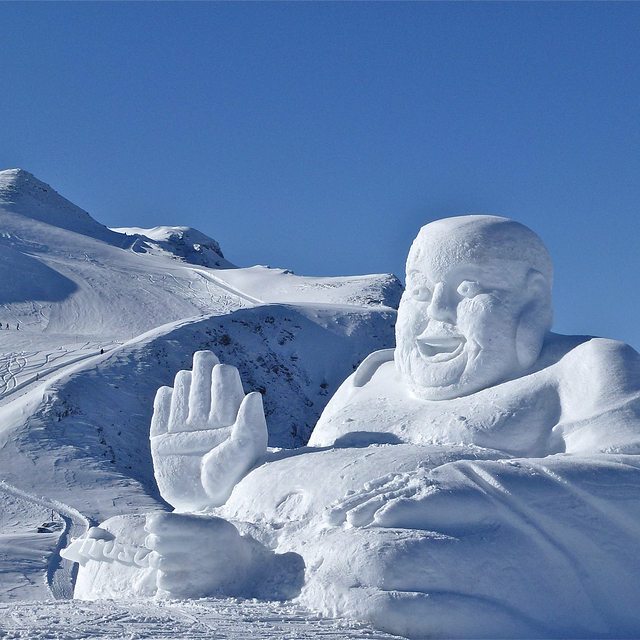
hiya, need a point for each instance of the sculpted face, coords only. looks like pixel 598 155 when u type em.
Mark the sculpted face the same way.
pixel 476 307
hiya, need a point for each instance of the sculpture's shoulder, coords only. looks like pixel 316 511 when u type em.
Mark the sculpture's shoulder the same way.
pixel 369 366
pixel 601 366
pixel 599 386
pixel 361 377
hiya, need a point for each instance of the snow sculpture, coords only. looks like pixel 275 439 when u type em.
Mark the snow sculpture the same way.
pixel 482 480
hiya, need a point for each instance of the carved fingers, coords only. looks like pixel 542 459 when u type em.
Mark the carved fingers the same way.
pixel 215 393
pixel 445 500
pixel 161 412
pixel 199 400
pixel 360 508
pixel 208 397
pixel 205 434
pixel 226 396
pixel 224 466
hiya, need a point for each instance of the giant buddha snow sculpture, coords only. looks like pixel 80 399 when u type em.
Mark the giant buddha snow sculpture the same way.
pixel 480 480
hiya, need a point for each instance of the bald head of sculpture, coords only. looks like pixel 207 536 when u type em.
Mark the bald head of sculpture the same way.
pixel 476 308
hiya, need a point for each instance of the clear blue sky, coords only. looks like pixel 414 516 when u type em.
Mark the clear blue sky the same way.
pixel 320 136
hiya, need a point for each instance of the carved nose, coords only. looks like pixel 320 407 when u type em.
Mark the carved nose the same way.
pixel 441 307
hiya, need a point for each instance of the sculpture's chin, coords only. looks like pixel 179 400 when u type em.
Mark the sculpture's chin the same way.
pixel 445 392
pixel 449 387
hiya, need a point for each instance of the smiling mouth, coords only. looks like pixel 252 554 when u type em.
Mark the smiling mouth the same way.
pixel 440 348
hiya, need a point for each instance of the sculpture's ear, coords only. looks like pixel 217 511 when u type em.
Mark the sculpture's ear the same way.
pixel 535 320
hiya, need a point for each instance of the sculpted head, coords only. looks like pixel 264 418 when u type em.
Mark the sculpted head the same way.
pixel 476 308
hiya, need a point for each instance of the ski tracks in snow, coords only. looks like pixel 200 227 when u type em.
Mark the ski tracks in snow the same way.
pixel 187 620
pixel 225 287
pixel 21 369
pixel 221 298
pixel 60 573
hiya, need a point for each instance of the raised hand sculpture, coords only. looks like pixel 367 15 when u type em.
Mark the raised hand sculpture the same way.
pixel 205 434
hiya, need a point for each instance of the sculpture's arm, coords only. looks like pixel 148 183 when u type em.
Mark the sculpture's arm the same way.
pixel 331 427
pixel 205 434
pixel 555 541
pixel 201 556
pixel 557 489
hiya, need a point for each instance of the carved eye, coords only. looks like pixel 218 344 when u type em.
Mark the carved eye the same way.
pixel 420 293
pixel 469 289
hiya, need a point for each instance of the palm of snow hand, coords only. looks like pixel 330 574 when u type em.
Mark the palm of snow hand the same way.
pixel 205 434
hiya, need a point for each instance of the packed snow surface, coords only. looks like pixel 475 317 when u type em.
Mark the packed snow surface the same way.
pixel 226 619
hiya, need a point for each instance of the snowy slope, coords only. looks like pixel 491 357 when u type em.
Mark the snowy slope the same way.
pixel 22 194
pixel 281 285
pixel 65 273
pixel 105 318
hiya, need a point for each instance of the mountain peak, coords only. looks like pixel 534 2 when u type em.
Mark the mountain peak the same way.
pixel 19 178
pixel 181 243
pixel 23 194
pixel 15 173
pixel 7 173
pixel 18 182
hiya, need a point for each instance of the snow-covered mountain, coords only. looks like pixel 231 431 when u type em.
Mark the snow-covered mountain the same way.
pixel 178 243
pixel 107 316
pixel 63 272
